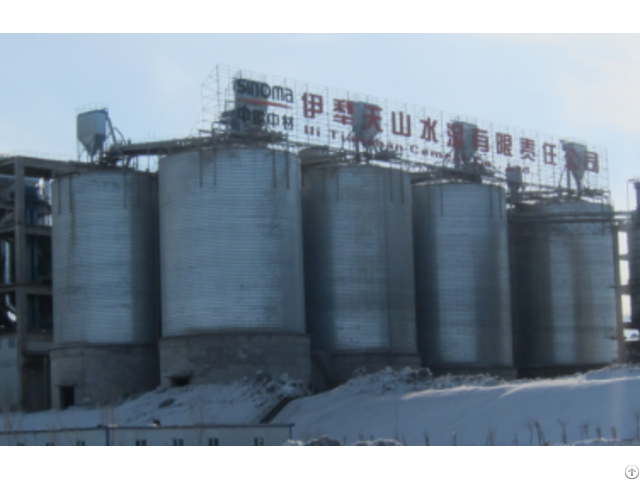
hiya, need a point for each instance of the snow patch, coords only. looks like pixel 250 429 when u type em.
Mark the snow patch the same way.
pixel 242 402
pixel 413 407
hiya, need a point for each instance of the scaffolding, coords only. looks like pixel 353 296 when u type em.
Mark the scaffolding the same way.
pixel 26 310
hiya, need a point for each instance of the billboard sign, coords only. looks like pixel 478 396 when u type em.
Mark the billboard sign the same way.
pixel 316 115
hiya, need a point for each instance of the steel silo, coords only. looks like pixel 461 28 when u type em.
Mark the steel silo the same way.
pixel 633 243
pixel 105 286
pixel 105 264
pixel 231 261
pixel 563 279
pixel 359 265
pixel 463 304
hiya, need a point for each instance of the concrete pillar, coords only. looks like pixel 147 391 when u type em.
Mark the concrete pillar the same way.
pixel 615 229
pixel 21 274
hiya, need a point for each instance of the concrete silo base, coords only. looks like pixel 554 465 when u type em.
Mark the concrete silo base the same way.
pixel 506 373
pixel 100 374
pixel 340 367
pixel 225 357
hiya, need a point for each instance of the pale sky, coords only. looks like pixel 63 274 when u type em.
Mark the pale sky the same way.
pixel 578 86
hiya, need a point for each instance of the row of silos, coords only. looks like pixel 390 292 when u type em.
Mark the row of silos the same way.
pixel 388 273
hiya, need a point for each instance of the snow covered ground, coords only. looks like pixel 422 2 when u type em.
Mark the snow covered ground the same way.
pixel 242 402
pixel 410 406
pixel 414 408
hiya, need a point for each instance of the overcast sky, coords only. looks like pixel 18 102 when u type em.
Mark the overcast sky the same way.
pixel 578 86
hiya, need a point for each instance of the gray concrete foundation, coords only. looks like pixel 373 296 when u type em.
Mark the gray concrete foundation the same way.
pixel 225 357
pixel 332 370
pixel 100 374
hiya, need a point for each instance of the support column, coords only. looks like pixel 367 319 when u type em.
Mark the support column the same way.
pixel 21 276
pixel 615 232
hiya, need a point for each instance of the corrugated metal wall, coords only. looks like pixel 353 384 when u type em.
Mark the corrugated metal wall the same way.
pixel 359 259
pixel 9 387
pixel 462 275
pixel 562 285
pixel 105 262
pixel 231 241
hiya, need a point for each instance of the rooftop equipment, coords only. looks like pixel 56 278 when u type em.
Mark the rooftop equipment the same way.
pixel 91 128
pixel 575 155
pixel 463 304
pixel 562 279
pixel 464 142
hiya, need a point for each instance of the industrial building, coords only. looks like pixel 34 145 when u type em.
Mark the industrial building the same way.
pixel 253 247
pixel 26 310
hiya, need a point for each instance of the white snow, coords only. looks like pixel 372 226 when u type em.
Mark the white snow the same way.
pixel 243 402
pixel 472 410
pixel 601 407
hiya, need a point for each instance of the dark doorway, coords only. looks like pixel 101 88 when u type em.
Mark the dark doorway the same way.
pixel 179 381
pixel 67 397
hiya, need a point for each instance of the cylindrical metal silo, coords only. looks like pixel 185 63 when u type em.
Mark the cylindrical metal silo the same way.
pixel 562 282
pixel 463 304
pixel 633 243
pixel 105 285
pixel 359 266
pixel 231 260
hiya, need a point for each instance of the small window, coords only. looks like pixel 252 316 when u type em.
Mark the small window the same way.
pixel 214 442
pixel 258 441
pixel 178 442
pixel 80 443
pixel 141 443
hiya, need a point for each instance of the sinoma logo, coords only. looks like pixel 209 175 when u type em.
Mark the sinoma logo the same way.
pixel 262 94
pixel 632 472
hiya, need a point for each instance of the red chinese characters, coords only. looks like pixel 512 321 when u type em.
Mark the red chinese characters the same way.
pixel 481 140
pixel 504 143
pixel 312 104
pixel 455 132
pixel 371 116
pixel 401 125
pixel 549 153
pixel 527 149
pixel 343 111
pixel 429 130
